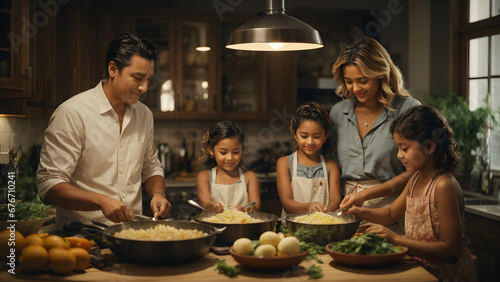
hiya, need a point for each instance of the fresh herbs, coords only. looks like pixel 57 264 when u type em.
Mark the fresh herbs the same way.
pixel 366 244
pixel 25 211
pixel 227 270
pixel 314 272
pixel 313 250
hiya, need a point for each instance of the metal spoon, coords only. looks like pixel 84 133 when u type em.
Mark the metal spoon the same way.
pixel 195 204
pixel 341 211
pixel 250 205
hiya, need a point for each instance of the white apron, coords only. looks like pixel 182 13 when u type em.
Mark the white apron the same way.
pixel 307 190
pixel 351 187
pixel 230 195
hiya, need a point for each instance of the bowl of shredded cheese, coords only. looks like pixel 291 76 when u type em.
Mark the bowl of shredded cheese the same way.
pixel 322 228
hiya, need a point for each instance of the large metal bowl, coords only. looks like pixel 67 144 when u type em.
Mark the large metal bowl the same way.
pixel 159 251
pixel 324 233
pixel 235 231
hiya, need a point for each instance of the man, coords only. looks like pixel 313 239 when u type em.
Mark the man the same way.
pixel 99 147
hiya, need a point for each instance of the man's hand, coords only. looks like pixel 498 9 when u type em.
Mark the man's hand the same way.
pixel 160 206
pixel 116 211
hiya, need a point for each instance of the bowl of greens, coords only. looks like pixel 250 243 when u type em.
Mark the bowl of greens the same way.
pixel 365 250
pixel 27 217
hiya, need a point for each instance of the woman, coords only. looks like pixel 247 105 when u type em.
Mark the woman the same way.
pixel 373 94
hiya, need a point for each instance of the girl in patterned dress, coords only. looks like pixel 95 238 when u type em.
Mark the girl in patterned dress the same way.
pixel 432 201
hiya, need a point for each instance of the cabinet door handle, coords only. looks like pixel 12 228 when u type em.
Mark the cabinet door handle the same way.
pixel 27 73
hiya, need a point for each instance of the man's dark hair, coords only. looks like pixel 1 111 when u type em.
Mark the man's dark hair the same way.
pixel 123 47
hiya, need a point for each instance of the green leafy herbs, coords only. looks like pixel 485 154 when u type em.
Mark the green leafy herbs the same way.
pixel 24 211
pixel 313 249
pixel 227 270
pixel 314 272
pixel 366 244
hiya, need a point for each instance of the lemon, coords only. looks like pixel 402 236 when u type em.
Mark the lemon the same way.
pixel 33 239
pixel 269 237
pixel 289 246
pixel 53 241
pixel 61 261
pixel 34 258
pixel 82 258
pixel 243 246
pixel 11 240
pixel 265 250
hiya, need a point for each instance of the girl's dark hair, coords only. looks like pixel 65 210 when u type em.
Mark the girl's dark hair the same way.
pixel 315 112
pixel 221 130
pixel 123 47
pixel 424 124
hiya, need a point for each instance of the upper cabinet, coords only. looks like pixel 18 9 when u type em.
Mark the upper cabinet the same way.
pixel 15 70
pixel 196 77
pixel 186 74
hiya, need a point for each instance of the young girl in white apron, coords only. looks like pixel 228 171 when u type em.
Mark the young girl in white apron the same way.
pixel 226 185
pixel 432 201
pixel 306 181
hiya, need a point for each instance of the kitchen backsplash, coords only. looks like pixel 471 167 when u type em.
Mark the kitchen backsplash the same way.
pixel 260 135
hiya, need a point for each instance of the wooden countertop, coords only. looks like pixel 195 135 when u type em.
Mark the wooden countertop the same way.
pixel 203 270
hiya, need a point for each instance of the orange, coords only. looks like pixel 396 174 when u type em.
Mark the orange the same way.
pixel 53 241
pixel 79 242
pixel 82 258
pixel 34 258
pixel 9 240
pixel 61 260
pixel 33 239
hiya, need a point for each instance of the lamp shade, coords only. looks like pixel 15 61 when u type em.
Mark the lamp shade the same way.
pixel 275 31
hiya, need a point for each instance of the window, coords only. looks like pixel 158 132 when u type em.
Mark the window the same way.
pixel 478 61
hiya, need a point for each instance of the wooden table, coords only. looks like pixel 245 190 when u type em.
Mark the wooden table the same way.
pixel 203 270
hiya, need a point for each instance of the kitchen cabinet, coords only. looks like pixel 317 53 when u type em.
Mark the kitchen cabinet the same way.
pixel 15 68
pixel 484 236
pixel 48 61
pixel 185 80
pixel 215 84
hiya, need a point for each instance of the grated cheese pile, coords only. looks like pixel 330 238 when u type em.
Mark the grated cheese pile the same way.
pixel 161 232
pixel 231 216
pixel 319 218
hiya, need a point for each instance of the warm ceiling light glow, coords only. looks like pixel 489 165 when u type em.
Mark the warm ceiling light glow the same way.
pixel 203 48
pixel 276 45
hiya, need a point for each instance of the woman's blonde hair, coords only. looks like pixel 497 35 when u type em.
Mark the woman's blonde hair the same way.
pixel 374 62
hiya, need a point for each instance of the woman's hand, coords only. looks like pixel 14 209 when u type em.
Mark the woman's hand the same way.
pixel 383 232
pixel 317 207
pixel 115 210
pixel 160 206
pixel 354 199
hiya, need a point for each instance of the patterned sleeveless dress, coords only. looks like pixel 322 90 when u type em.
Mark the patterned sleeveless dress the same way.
pixel 422 223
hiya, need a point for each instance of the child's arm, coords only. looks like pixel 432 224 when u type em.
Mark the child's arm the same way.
pixel 285 189
pixel 391 186
pixel 204 196
pixel 385 216
pixel 334 186
pixel 449 202
pixel 253 190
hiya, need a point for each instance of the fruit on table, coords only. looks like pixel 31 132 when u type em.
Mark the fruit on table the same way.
pixel 33 239
pixel 79 242
pixel 16 238
pixel 269 237
pixel 61 260
pixel 289 246
pixel 34 258
pixel 53 241
pixel 82 258
pixel 265 250
pixel 243 246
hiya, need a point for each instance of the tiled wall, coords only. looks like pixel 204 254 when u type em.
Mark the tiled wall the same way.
pixel 21 131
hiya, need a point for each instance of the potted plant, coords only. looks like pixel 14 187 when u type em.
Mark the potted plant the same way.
pixel 470 129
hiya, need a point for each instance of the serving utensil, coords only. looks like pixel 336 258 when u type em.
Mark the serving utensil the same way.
pixel 196 205
pixel 250 205
pixel 340 211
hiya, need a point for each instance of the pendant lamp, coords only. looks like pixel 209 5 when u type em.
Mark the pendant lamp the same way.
pixel 275 31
